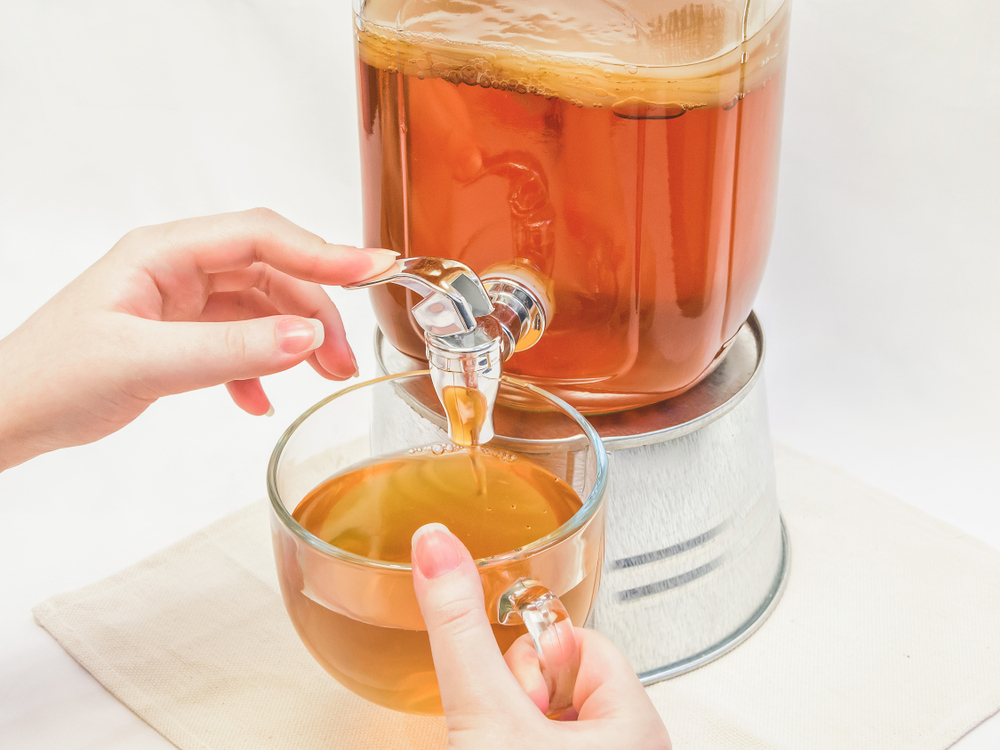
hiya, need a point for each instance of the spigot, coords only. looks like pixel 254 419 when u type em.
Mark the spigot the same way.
pixel 470 328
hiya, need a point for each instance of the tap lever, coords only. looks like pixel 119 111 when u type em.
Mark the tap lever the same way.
pixel 470 332
pixel 453 295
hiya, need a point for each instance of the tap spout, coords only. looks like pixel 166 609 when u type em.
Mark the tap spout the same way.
pixel 470 329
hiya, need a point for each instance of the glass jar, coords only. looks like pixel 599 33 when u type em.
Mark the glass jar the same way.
pixel 626 152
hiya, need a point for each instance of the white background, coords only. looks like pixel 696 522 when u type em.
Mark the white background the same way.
pixel 880 301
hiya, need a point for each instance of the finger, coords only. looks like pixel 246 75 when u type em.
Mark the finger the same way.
pixel 603 669
pixel 250 397
pixel 522 660
pixel 244 305
pixel 293 296
pixel 228 242
pixel 472 676
pixel 606 685
pixel 335 360
pixel 182 356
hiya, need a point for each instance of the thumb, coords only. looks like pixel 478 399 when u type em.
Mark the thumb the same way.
pixel 179 357
pixel 473 678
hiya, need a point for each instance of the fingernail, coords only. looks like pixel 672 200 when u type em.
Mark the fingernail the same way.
pixel 270 412
pixel 298 335
pixel 381 252
pixel 434 551
pixel 381 262
pixel 354 360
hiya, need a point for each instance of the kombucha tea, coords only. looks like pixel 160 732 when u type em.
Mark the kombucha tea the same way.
pixel 493 501
pixel 644 192
pixel 466 409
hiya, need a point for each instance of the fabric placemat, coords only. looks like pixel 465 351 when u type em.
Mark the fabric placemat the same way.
pixel 886 637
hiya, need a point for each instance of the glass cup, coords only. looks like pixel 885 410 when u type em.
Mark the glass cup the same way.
pixel 359 616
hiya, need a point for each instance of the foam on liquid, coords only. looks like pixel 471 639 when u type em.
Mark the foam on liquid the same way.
pixel 589 53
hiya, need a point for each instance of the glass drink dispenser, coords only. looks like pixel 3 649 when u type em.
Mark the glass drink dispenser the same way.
pixel 623 154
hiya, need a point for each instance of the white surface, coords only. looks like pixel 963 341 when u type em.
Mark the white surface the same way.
pixel 171 636
pixel 880 302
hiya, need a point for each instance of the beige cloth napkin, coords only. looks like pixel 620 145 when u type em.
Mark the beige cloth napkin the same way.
pixel 888 636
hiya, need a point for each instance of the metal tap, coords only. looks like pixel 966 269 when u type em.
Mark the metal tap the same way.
pixel 471 327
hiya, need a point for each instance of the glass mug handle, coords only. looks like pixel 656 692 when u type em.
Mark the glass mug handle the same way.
pixel 551 631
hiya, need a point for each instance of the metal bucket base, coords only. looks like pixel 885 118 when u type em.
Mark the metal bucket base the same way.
pixel 696 554
pixel 695 549
pixel 735 639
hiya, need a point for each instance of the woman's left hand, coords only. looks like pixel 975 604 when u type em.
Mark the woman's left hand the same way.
pixel 172 308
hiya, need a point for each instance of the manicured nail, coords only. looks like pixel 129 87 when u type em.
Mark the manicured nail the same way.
pixel 270 412
pixel 298 335
pixel 435 552
pixel 380 252
pixel 354 360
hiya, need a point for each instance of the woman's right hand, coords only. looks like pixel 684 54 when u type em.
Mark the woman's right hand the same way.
pixel 492 702
pixel 171 308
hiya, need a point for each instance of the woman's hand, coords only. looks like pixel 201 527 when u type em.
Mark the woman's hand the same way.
pixel 492 702
pixel 171 308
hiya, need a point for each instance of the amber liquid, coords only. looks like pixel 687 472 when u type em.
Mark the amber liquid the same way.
pixel 646 194
pixel 465 408
pixel 493 501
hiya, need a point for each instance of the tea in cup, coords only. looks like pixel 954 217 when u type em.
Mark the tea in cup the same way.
pixel 528 505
